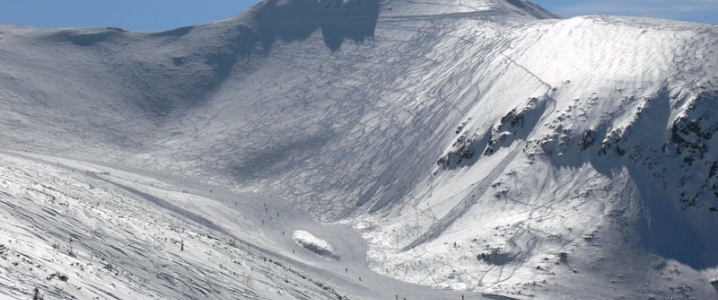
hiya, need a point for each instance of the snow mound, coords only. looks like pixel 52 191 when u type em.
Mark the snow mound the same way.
pixel 314 244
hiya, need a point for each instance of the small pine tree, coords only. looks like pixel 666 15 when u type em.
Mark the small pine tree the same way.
pixel 71 252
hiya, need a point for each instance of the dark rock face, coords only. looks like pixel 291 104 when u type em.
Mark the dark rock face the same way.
pixel 692 143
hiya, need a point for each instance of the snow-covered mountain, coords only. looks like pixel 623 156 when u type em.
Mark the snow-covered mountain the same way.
pixel 362 149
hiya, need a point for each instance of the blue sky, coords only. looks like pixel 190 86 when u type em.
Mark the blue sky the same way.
pixel 702 11
pixel 154 15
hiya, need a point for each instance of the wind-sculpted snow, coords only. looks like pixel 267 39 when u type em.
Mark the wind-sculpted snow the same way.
pixel 478 146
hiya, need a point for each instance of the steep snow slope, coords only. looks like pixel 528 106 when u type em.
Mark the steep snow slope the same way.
pixel 590 155
pixel 474 145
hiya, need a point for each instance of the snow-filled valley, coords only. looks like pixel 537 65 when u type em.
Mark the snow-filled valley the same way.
pixel 357 149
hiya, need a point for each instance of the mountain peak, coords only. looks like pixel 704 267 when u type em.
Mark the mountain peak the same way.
pixel 356 20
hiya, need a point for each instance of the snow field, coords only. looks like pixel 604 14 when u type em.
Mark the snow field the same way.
pixel 472 146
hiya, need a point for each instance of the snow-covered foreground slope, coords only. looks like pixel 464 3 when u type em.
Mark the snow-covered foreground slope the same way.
pixel 473 145
pixel 73 233
pixel 78 230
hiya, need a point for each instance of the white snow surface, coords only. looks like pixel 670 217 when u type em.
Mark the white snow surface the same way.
pixel 439 148
pixel 314 244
